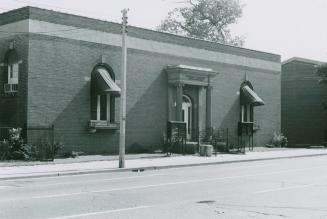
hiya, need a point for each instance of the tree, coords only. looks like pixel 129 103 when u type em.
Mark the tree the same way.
pixel 205 19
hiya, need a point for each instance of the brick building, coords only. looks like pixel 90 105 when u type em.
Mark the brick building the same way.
pixel 303 113
pixel 64 70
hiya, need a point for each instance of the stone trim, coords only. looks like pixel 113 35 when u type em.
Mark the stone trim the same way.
pixel 105 26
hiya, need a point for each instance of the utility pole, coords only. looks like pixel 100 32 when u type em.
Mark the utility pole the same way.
pixel 123 93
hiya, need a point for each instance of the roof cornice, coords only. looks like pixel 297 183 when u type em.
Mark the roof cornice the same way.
pixel 111 27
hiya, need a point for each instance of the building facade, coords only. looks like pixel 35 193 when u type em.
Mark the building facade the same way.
pixel 66 73
pixel 303 112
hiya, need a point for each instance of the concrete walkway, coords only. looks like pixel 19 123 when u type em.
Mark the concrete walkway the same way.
pixel 140 162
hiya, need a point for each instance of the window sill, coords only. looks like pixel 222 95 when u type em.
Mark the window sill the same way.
pixel 99 124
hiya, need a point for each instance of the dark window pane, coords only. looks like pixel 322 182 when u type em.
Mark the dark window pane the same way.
pixel 11 70
pixel 112 108
pixel 189 120
pixel 93 106
pixel 103 107
pixel 251 114
pixel 245 113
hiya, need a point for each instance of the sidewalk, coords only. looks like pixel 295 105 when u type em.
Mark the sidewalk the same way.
pixel 92 164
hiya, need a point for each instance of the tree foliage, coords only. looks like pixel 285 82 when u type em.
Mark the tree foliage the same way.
pixel 205 19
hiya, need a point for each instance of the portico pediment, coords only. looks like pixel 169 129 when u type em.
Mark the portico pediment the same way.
pixel 190 75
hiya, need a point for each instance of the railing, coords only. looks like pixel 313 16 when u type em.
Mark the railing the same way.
pixel 42 139
pixel 245 131
pixel 10 88
pixel 176 137
pixel 35 133
pixel 218 138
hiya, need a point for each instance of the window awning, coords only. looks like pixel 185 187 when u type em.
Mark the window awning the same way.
pixel 105 83
pixel 248 96
pixel 11 57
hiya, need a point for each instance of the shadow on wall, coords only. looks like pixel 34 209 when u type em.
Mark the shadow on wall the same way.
pixel 71 128
pixel 146 119
pixel 231 120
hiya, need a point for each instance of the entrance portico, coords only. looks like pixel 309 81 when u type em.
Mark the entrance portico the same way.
pixel 189 97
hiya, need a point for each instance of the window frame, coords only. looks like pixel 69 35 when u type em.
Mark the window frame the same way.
pixel 13 73
pixel 96 109
pixel 108 107
pixel 246 113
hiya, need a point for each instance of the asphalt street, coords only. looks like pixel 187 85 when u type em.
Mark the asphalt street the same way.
pixel 288 188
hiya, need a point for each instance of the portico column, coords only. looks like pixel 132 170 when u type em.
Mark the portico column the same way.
pixel 179 101
pixel 208 107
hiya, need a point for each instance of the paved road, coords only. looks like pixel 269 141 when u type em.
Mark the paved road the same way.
pixel 290 188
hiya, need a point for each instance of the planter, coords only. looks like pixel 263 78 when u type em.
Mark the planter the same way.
pixel 206 150
pixel 221 146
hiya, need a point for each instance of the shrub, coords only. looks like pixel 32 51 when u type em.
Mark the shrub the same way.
pixel 14 148
pixel 279 139
pixel 45 150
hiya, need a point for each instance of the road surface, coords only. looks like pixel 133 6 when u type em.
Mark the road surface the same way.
pixel 287 188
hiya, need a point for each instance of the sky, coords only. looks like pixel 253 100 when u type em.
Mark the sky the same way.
pixel 285 27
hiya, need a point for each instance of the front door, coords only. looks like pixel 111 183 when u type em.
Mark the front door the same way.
pixel 187 115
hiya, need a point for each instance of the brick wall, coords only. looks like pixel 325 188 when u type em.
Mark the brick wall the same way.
pixel 303 115
pixel 59 91
pixel 59 94
pixel 59 71
pixel 226 103
pixel 13 108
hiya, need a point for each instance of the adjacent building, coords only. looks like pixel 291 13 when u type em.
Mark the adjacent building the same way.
pixel 303 111
pixel 63 70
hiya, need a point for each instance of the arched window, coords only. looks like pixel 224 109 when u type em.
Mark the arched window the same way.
pixel 248 99
pixel 104 90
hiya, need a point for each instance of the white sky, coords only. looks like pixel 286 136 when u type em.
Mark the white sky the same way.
pixel 286 27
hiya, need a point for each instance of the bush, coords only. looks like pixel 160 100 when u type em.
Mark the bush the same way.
pixel 14 148
pixel 279 139
pixel 45 150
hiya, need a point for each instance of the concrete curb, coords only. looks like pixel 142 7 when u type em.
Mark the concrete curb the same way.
pixel 140 169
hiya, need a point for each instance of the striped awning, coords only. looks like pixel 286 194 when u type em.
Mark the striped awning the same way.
pixel 248 96
pixel 105 83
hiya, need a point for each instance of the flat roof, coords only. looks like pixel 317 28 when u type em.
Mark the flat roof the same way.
pixel 56 17
pixel 299 59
